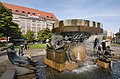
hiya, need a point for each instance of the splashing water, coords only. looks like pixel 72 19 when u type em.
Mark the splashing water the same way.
pixel 87 66
pixel 116 69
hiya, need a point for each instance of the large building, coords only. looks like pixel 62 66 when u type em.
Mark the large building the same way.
pixel 118 37
pixel 109 33
pixel 78 29
pixel 31 19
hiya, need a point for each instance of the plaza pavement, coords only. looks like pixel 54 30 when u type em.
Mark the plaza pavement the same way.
pixel 3 55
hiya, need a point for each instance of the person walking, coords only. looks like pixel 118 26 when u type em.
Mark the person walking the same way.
pixel 25 44
pixel 103 45
pixel 95 44
pixel 21 50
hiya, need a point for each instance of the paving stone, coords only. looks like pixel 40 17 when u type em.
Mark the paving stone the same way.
pixel 8 74
pixel 2 68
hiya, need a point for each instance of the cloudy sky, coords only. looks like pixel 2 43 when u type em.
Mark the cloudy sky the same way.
pixel 105 11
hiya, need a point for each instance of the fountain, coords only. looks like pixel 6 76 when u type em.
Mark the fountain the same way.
pixel 71 53
pixel 64 56
pixel 83 65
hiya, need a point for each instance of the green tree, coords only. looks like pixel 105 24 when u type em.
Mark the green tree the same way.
pixel 30 35
pixel 44 34
pixel 104 37
pixel 7 27
pixel 110 37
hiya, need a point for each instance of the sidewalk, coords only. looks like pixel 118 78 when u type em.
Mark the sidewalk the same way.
pixel 34 52
pixel 3 56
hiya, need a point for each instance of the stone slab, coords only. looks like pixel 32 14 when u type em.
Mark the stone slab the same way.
pixel 57 66
pixel 61 67
pixel 70 66
pixel 2 68
pixel 102 64
pixel 8 74
pixel 3 58
pixel 29 76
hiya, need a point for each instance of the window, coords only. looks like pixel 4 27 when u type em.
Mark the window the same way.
pixel 28 12
pixel 22 23
pixel 28 24
pixel 33 20
pixel 47 16
pixel 33 24
pixel 118 35
pixel 23 31
pixel 86 22
pixel 28 20
pixel 94 24
pixel 10 9
pixel 98 25
pixel 34 29
pixel 38 21
pixel 33 13
pixel 38 28
pixel 23 11
pixel 38 24
pixel 28 27
pixel 16 10
pixel 22 27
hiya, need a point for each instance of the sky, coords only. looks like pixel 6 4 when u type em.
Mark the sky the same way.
pixel 106 12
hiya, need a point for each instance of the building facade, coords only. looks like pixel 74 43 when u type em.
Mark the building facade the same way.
pixel 31 19
pixel 117 37
pixel 109 33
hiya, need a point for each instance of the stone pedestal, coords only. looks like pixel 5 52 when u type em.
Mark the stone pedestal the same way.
pixel 61 67
pixel 103 64
pixel 57 59
pixel 57 66
pixel 70 66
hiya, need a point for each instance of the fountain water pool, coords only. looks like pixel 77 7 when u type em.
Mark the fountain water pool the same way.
pixel 87 71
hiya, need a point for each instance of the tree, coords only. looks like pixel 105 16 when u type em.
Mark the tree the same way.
pixel 7 27
pixel 110 37
pixel 104 38
pixel 30 35
pixel 44 34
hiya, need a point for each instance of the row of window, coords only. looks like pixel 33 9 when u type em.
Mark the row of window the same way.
pixel 33 29
pixel 30 13
pixel 49 17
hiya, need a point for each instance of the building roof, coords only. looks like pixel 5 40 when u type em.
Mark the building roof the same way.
pixel 31 11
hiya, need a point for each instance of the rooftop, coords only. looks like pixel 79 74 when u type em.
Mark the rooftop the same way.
pixel 30 11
